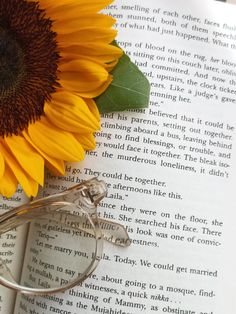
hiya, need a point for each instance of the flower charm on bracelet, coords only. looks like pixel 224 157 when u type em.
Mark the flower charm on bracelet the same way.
pixel 56 58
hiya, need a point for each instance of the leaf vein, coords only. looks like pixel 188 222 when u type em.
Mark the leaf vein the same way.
pixel 129 89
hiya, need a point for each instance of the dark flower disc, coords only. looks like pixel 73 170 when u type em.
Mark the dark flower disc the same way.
pixel 28 64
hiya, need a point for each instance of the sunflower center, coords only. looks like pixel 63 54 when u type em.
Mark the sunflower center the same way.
pixel 28 64
pixel 11 62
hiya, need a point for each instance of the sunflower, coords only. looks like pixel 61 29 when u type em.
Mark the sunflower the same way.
pixel 55 58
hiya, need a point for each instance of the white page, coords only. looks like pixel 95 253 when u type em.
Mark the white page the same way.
pixel 176 161
pixel 12 245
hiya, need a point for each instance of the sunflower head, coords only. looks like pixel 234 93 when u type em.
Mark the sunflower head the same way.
pixel 55 57
pixel 28 64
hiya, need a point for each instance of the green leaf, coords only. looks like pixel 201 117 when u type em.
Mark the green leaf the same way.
pixel 129 89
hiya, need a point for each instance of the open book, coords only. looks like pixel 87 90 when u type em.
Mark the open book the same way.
pixel 170 171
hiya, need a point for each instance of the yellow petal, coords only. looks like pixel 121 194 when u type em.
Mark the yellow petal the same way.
pixel 83 77
pixel 62 26
pixel 110 66
pixel 86 140
pixel 28 158
pixel 72 8
pixel 58 168
pixel 99 52
pixel 27 183
pixel 34 188
pixel 54 141
pixel 94 93
pixel 71 113
pixel 93 108
pixel 87 35
pixel 55 165
pixel 8 183
pixel 2 165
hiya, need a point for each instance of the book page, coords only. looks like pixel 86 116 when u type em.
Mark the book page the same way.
pixel 12 246
pixel 170 171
